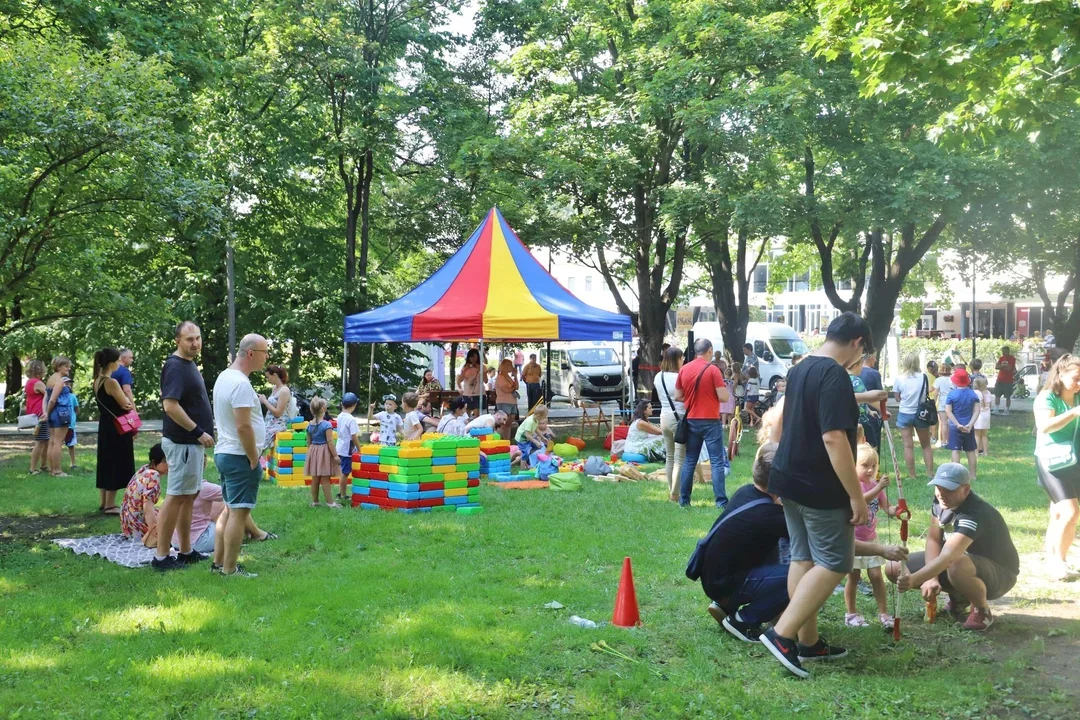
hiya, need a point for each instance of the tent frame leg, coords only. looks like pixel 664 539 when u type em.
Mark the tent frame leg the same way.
pixel 483 377
pixel 371 374
pixel 344 365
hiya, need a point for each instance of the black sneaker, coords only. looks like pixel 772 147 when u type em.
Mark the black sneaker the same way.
pixel 190 558
pixel 821 650
pixel 718 612
pixel 747 632
pixel 215 569
pixel 785 651
pixel 240 572
pixel 165 564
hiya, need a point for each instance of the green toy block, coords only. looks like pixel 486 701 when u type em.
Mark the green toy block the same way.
pixel 361 482
pixel 453 484
pixel 469 510
pixel 443 452
pixel 471 467
pixel 389 451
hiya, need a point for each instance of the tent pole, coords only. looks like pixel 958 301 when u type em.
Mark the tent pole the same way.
pixel 483 377
pixel 547 386
pixel 371 374
pixel 453 367
pixel 344 365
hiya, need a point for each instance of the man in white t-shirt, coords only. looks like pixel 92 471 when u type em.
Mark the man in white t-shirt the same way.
pixel 241 432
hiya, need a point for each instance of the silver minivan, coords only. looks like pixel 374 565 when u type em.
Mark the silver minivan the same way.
pixel 592 370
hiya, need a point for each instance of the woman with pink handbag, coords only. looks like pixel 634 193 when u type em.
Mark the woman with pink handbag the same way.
pixel 116 431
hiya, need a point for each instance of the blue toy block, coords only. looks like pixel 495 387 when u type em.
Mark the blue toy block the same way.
pixel 403 495
pixel 474 475
pixel 459 500
pixel 504 477
pixel 359 490
pixel 381 484
pixel 444 461
pixel 370 506
pixel 298 419
pixel 402 487
pixel 430 494
pixel 369 459
pixel 299 457
pixel 481 431
pixel 284 471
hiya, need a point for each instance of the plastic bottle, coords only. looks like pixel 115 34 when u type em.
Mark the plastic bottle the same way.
pixel 583 623
pixel 931 611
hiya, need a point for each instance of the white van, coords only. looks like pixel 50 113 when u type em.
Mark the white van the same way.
pixel 774 344
pixel 592 370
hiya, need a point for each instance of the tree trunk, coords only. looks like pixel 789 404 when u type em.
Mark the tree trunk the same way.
pixel 294 362
pixel 731 286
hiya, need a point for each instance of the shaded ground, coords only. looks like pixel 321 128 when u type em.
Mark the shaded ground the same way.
pixel 29 529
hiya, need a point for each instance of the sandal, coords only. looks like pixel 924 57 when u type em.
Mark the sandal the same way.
pixel 886 620
pixel 60 474
pixel 107 511
pixel 34 472
pixel 267 536
pixel 315 505
pixel 855 620
pixel 333 505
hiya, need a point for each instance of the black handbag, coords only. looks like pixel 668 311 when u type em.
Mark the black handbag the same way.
pixel 682 427
pixel 927 409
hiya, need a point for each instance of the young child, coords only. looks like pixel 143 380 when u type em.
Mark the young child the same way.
pixel 738 385
pixel 413 424
pixel 963 407
pixel 138 515
pixel 727 408
pixel 753 392
pixel 982 423
pixel 390 423
pixel 873 489
pixel 348 441
pixel 976 370
pixel 321 460
pixel 529 437
pixel 942 387
pixel 72 439
pixel 453 422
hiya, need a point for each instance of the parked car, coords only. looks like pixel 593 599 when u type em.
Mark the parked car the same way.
pixel 774 344
pixel 592 370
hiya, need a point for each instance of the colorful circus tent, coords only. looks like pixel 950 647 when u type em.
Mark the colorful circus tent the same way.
pixel 490 289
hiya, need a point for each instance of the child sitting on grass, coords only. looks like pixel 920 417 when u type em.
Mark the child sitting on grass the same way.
pixel 530 438
pixel 873 489
pixel 321 462
pixel 138 514
pixel 414 425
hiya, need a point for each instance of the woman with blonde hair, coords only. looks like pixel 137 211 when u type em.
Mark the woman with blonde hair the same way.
pixel 35 400
pixel 912 389
pixel 56 395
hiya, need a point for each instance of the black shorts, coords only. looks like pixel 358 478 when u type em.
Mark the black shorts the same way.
pixel 472 402
pixel 1003 389
pixel 1060 485
pixel 997 578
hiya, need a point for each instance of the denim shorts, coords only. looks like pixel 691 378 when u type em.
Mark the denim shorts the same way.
pixel 239 481
pixel 825 537
pixel 345 462
pixel 961 441
pixel 911 420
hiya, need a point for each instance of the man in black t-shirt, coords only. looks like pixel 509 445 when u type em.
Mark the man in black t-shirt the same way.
pixel 814 474
pixel 974 562
pixel 186 431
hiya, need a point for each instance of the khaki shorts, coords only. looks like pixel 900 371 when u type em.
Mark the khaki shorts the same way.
pixel 825 537
pixel 186 464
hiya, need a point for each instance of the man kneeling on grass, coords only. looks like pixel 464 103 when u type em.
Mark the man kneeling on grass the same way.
pixel 741 569
pixel 975 563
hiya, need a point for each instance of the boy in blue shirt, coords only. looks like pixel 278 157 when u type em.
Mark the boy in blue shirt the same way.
pixel 962 407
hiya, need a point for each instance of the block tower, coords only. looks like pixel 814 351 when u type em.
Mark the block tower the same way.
pixel 435 473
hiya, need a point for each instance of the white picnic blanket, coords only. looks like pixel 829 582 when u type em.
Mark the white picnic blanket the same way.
pixel 127 552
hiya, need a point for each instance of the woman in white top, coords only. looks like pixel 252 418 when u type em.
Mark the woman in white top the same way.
pixel 644 438
pixel 911 389
pixel 280 406
pixel 670 412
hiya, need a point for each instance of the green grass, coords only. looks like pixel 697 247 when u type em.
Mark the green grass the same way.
pixel 373 614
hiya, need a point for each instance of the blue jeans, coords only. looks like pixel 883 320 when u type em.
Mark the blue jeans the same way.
pixel 762 595
pixel 711 434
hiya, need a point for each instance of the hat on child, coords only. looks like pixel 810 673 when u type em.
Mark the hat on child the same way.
pixel 390 398
pixel 951 476
pixel 960 378
pixel 348 399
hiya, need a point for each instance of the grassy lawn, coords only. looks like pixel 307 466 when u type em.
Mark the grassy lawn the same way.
pixel 373 614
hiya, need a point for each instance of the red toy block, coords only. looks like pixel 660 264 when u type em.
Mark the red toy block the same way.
pixel 475 482
pixel 424 487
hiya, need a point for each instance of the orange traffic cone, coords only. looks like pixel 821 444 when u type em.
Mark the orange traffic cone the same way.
pixel 626 609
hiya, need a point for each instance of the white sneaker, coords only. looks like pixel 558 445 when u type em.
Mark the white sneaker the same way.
pixel 1006 411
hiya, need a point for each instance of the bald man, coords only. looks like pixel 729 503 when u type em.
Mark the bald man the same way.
pixel 241 432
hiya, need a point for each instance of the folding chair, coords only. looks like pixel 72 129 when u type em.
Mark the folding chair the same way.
pixel 601 420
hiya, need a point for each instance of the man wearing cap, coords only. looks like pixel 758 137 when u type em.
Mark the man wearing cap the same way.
pixel 962 407
pixel 969 552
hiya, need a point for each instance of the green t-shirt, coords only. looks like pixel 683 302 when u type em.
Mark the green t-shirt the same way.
pixel 1064 436
pixel 528 425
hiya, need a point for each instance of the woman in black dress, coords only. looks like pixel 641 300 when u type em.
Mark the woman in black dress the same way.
pixel 115 452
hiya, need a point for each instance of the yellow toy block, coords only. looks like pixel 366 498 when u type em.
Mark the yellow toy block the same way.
pixel 432 436
pixel 495 445
pixel 392 469
pixel 356 466
pixel 468 458
pixel 456 476
pixel 284 435
pixel 444 469
pixel 412 443
pixel 457 492
pixel 415 452
pixel 370 449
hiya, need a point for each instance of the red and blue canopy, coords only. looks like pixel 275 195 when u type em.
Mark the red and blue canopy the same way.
pixel 491 289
